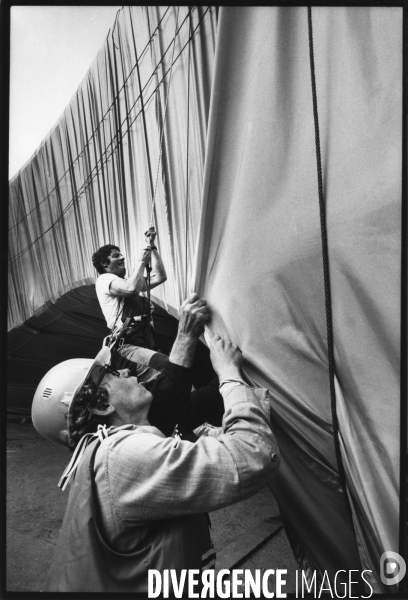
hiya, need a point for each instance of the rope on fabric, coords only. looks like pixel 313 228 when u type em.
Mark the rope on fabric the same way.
pixel 143 110
pixel 102 119
pixel 149 167
pixel 187 150
pixel 102 160
pixel 164 119
pixel 326 274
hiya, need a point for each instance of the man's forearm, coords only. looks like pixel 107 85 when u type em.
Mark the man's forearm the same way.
pixel 136 281
pixel 182 353
pixel 207 475
pixel 193 315
pixel 158 267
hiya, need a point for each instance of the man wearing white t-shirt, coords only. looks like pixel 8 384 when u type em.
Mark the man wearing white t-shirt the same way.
pixel 120 299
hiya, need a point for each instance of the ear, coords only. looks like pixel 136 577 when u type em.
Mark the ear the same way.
pixel 108 410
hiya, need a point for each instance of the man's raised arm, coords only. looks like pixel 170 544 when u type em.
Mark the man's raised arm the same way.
pixel 171 391
pixel 136 282
pixel 158 274
pixel 193 315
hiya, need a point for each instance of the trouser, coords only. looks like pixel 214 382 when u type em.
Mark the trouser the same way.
pixel 173 401
pixel 146 364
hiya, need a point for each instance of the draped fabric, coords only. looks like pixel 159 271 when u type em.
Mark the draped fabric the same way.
pixel 94 178
pixel 237 214
pixel 260 256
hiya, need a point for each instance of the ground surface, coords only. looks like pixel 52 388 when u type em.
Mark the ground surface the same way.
pixel 35 508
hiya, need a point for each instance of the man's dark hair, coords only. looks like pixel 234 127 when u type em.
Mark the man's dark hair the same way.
pixel 83 419
pixel 101 256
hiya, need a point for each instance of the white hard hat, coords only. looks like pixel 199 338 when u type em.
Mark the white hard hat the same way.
pixel 56 393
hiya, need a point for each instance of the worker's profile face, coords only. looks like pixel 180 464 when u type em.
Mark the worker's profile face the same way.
pixel 116 264
pixel 126 394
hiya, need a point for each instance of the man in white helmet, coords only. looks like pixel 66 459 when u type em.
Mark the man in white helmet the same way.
pixel 139 498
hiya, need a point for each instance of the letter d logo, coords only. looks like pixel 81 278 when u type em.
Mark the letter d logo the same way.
pixel 392 568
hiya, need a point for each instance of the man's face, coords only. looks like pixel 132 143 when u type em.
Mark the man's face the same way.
pixel 116 264
pixel 129 398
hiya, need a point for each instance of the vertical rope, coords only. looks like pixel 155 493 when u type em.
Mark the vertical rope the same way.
pixel 146 139
pixel 188 138
pixel 164 119
pixel 403 526
pixel 326 274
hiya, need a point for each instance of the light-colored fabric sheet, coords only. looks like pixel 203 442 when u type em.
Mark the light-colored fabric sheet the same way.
pixel 260 256
pixel 90 183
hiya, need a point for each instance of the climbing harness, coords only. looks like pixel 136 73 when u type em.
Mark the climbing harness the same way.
pixel 148 271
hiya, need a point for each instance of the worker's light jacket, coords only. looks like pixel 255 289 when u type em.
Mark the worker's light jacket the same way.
pixel 153 490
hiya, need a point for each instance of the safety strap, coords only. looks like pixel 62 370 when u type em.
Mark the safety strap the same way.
pixel 148 311
pixel 101 433
pixel 118 314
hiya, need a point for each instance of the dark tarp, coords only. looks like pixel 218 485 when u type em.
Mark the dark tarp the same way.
pixel 73 327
